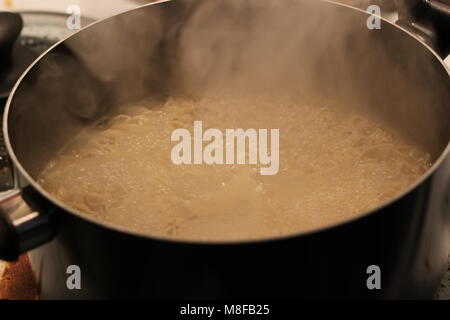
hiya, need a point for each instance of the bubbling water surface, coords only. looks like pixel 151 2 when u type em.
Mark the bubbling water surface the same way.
pixel 334 165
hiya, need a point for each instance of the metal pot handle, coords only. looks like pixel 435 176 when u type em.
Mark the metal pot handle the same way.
pixel 21 227
pixel 429 20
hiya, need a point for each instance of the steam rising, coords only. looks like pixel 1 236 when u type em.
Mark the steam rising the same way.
pixel 194 47
pixel 305 49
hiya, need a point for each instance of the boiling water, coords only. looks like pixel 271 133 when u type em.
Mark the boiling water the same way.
pixel 334 165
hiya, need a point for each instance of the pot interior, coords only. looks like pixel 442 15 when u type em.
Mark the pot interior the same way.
pixel 187 48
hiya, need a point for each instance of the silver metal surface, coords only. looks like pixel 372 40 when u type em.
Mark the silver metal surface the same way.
pixel 31 227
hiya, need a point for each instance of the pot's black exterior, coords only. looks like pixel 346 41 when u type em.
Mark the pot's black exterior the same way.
pixel 407 240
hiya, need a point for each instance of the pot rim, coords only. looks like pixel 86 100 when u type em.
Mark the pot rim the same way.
pixel 116 228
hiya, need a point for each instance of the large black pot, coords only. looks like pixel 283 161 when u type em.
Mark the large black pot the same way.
pixel 389 71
